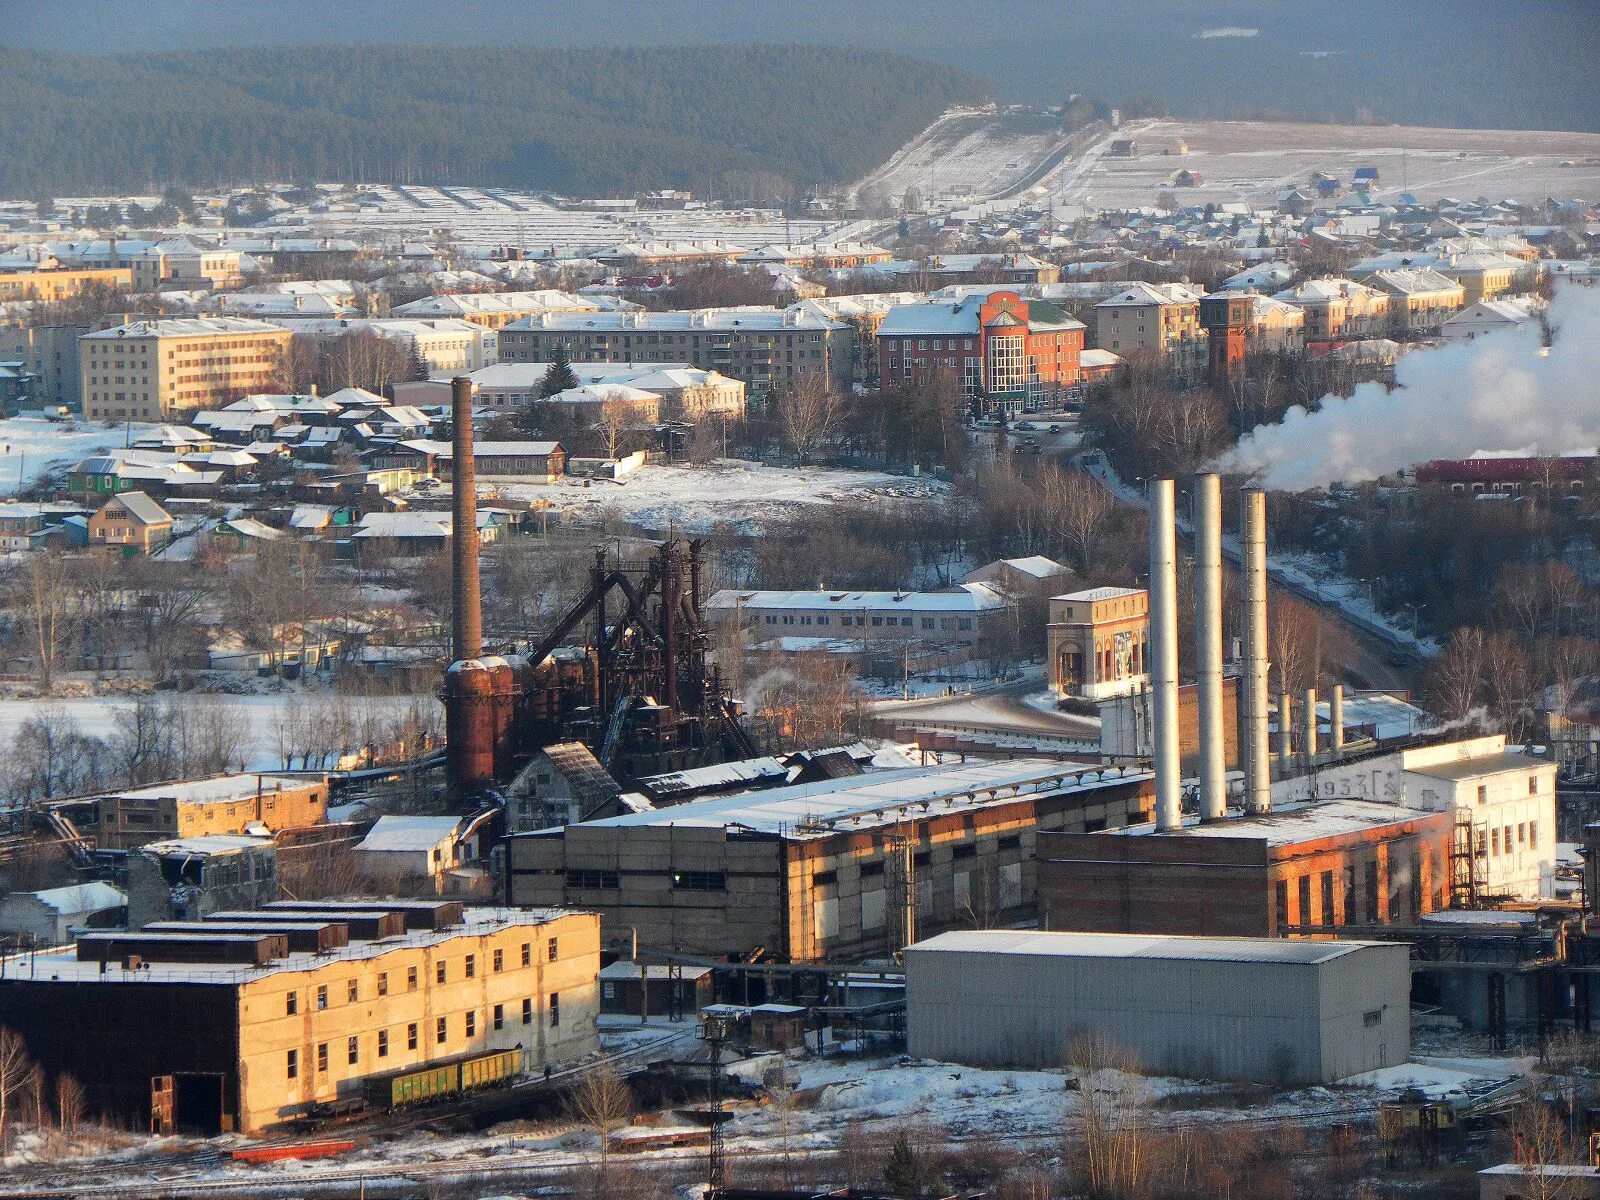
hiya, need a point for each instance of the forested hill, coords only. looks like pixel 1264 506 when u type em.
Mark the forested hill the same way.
pixel 736 119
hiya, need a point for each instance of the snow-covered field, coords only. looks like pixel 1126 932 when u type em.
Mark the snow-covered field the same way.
pixel 1254 162
pixel 33 446
pixel 480 217
pixel 964 156
pixel 695 498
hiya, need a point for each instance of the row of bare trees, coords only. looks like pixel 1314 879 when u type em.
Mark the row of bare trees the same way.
pixel 27 1095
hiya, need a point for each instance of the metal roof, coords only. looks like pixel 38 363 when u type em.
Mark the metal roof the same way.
pixel 1173 948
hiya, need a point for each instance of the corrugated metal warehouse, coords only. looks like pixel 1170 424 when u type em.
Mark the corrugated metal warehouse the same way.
pixel 1236 1008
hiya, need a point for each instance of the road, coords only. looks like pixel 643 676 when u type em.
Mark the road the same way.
pixel 1003 711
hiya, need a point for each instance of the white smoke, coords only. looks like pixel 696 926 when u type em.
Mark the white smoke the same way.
pixel 1497 392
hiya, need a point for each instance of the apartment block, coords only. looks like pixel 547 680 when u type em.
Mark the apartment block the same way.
pixel 156 370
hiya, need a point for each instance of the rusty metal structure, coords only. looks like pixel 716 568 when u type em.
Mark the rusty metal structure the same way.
pixel 625 670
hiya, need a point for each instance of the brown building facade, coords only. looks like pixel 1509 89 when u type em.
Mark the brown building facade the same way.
pixel 223 804
pixel 1300 871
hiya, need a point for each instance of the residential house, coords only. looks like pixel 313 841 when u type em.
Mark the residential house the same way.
pixel 1337 309
pixel 132 521
pixel 1420 298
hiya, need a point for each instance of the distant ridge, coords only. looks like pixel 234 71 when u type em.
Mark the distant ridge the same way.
pixel 737 121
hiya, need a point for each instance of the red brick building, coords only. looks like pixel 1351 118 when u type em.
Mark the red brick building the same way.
pixel 1303 869
pixel 1011 355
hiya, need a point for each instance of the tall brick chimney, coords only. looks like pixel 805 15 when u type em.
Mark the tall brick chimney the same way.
pixel 466 603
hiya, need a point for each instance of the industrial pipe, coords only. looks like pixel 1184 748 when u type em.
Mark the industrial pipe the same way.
pixel 1164 653
pixel 1336 718
pixel 466 612
pixel 1208 641
pixel 1308 727
pixel 1285 735
pixel 1258 765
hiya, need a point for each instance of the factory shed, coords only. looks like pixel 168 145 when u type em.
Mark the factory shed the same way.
pixel 1240 1008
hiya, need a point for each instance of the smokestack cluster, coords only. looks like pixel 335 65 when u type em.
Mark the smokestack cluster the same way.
pixel 1256 752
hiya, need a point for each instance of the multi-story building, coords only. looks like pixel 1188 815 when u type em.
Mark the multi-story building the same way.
pixel 1010 355
pixel 810 256
pixel 989 268
pixel 1420 298
pixel 1507 798
pixel 50 286
pixel 687 394
pixel 1163 318
pixel 1336 309
pixel 175 1030
pixel 1484 274
pixel 155 370
pixel 832 871
pixel 49 353
pixel 1097 642
pixel 763 347
pixel 960 616
pixel 221 804
pixel 181 263
pixel 495 310
pixel 184 879
pixel 442 345
pixel 1275 327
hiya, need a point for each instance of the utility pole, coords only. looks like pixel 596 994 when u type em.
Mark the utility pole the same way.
pixel 714 1031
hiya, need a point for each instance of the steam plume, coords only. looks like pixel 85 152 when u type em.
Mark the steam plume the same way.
pixel 1497 392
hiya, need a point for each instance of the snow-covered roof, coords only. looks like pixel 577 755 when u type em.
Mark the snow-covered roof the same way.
pixel 1301 821
pixel 94 896
pixel 1171 947
pixel 815 810
pixel 1096 594
pixel 1141 293
pixel 968 597
pixel 184 327
pixel 409 834
pixel 204 845
pixel 141 508
pixel 217 788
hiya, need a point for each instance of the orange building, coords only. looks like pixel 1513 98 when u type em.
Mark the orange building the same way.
pixel 1097 642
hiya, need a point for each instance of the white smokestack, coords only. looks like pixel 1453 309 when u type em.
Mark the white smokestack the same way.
pixel 1308 726
pixel 1164 652
pixel 1285 735
pixel 1258 763
pixel 1496 392
pixel 1336 718
pixel 1208 643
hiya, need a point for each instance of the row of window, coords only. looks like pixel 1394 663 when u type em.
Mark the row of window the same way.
pixel 848 620
pixel 441 1035
pixel 441 974
pixel 1500 837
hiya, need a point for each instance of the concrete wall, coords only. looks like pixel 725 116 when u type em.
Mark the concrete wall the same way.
pixel 1271 1021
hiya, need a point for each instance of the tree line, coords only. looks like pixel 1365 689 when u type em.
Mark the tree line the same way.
pixel 748 122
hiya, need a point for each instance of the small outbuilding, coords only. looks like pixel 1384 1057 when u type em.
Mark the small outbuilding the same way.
pixel 1267 1009
pixel 667 990
pixel 48 917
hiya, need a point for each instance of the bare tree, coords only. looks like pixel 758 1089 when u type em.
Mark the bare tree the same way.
pixel 1455 675
pixel 70 1105
pixel 602 1102
pixel 1541 1141
pixel 615 421
pixel 45 608
pixel 16 1073
pixel 808 412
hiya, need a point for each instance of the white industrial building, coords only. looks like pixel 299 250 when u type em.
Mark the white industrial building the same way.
pixel 1236 1008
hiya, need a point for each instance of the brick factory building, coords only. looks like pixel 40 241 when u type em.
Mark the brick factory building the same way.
pixel 1295 869
pixel 222 804
pixel 824 871
pixel 249 1033
pixel 1010 355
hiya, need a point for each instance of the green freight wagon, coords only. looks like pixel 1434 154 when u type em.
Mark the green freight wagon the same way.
pixel 495 1069
pixel 418 1085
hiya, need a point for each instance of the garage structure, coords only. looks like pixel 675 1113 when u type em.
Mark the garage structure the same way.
pixel 1259 1009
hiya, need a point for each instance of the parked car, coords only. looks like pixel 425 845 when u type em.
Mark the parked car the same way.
pixel 1026 425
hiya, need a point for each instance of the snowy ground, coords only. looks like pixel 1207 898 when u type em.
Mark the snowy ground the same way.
pixel 1254 162
pixel 965 156
pixel 32 446
pixel 695 498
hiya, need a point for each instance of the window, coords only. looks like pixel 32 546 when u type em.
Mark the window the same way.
pixel 1012 842
pixel 499 1016
pixel 441 1030
pixel 383 983
pixel 871 870
pixel 1372 891
pixel 472 1024
pixel 499 961
pixel 552 952
pixel 961 852
pixel 352 992
pixel 1328 912
pixel 1483 794
pixel 555 1009
pixel 322 1057
pixel 527 954
pixel 1494 842
pixel 527 1012
pixel 1303 888
pixel 472 966
pixel 291 1064
pixel 1533 785
pixel 700 881
pixel 322 997
pixel 439 971
pixel 1533 835
pixel 411 979
pixel 593 879
pixel 291 1003
pixel 411 1036
pixel 1372 1019
pixel 1281 903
